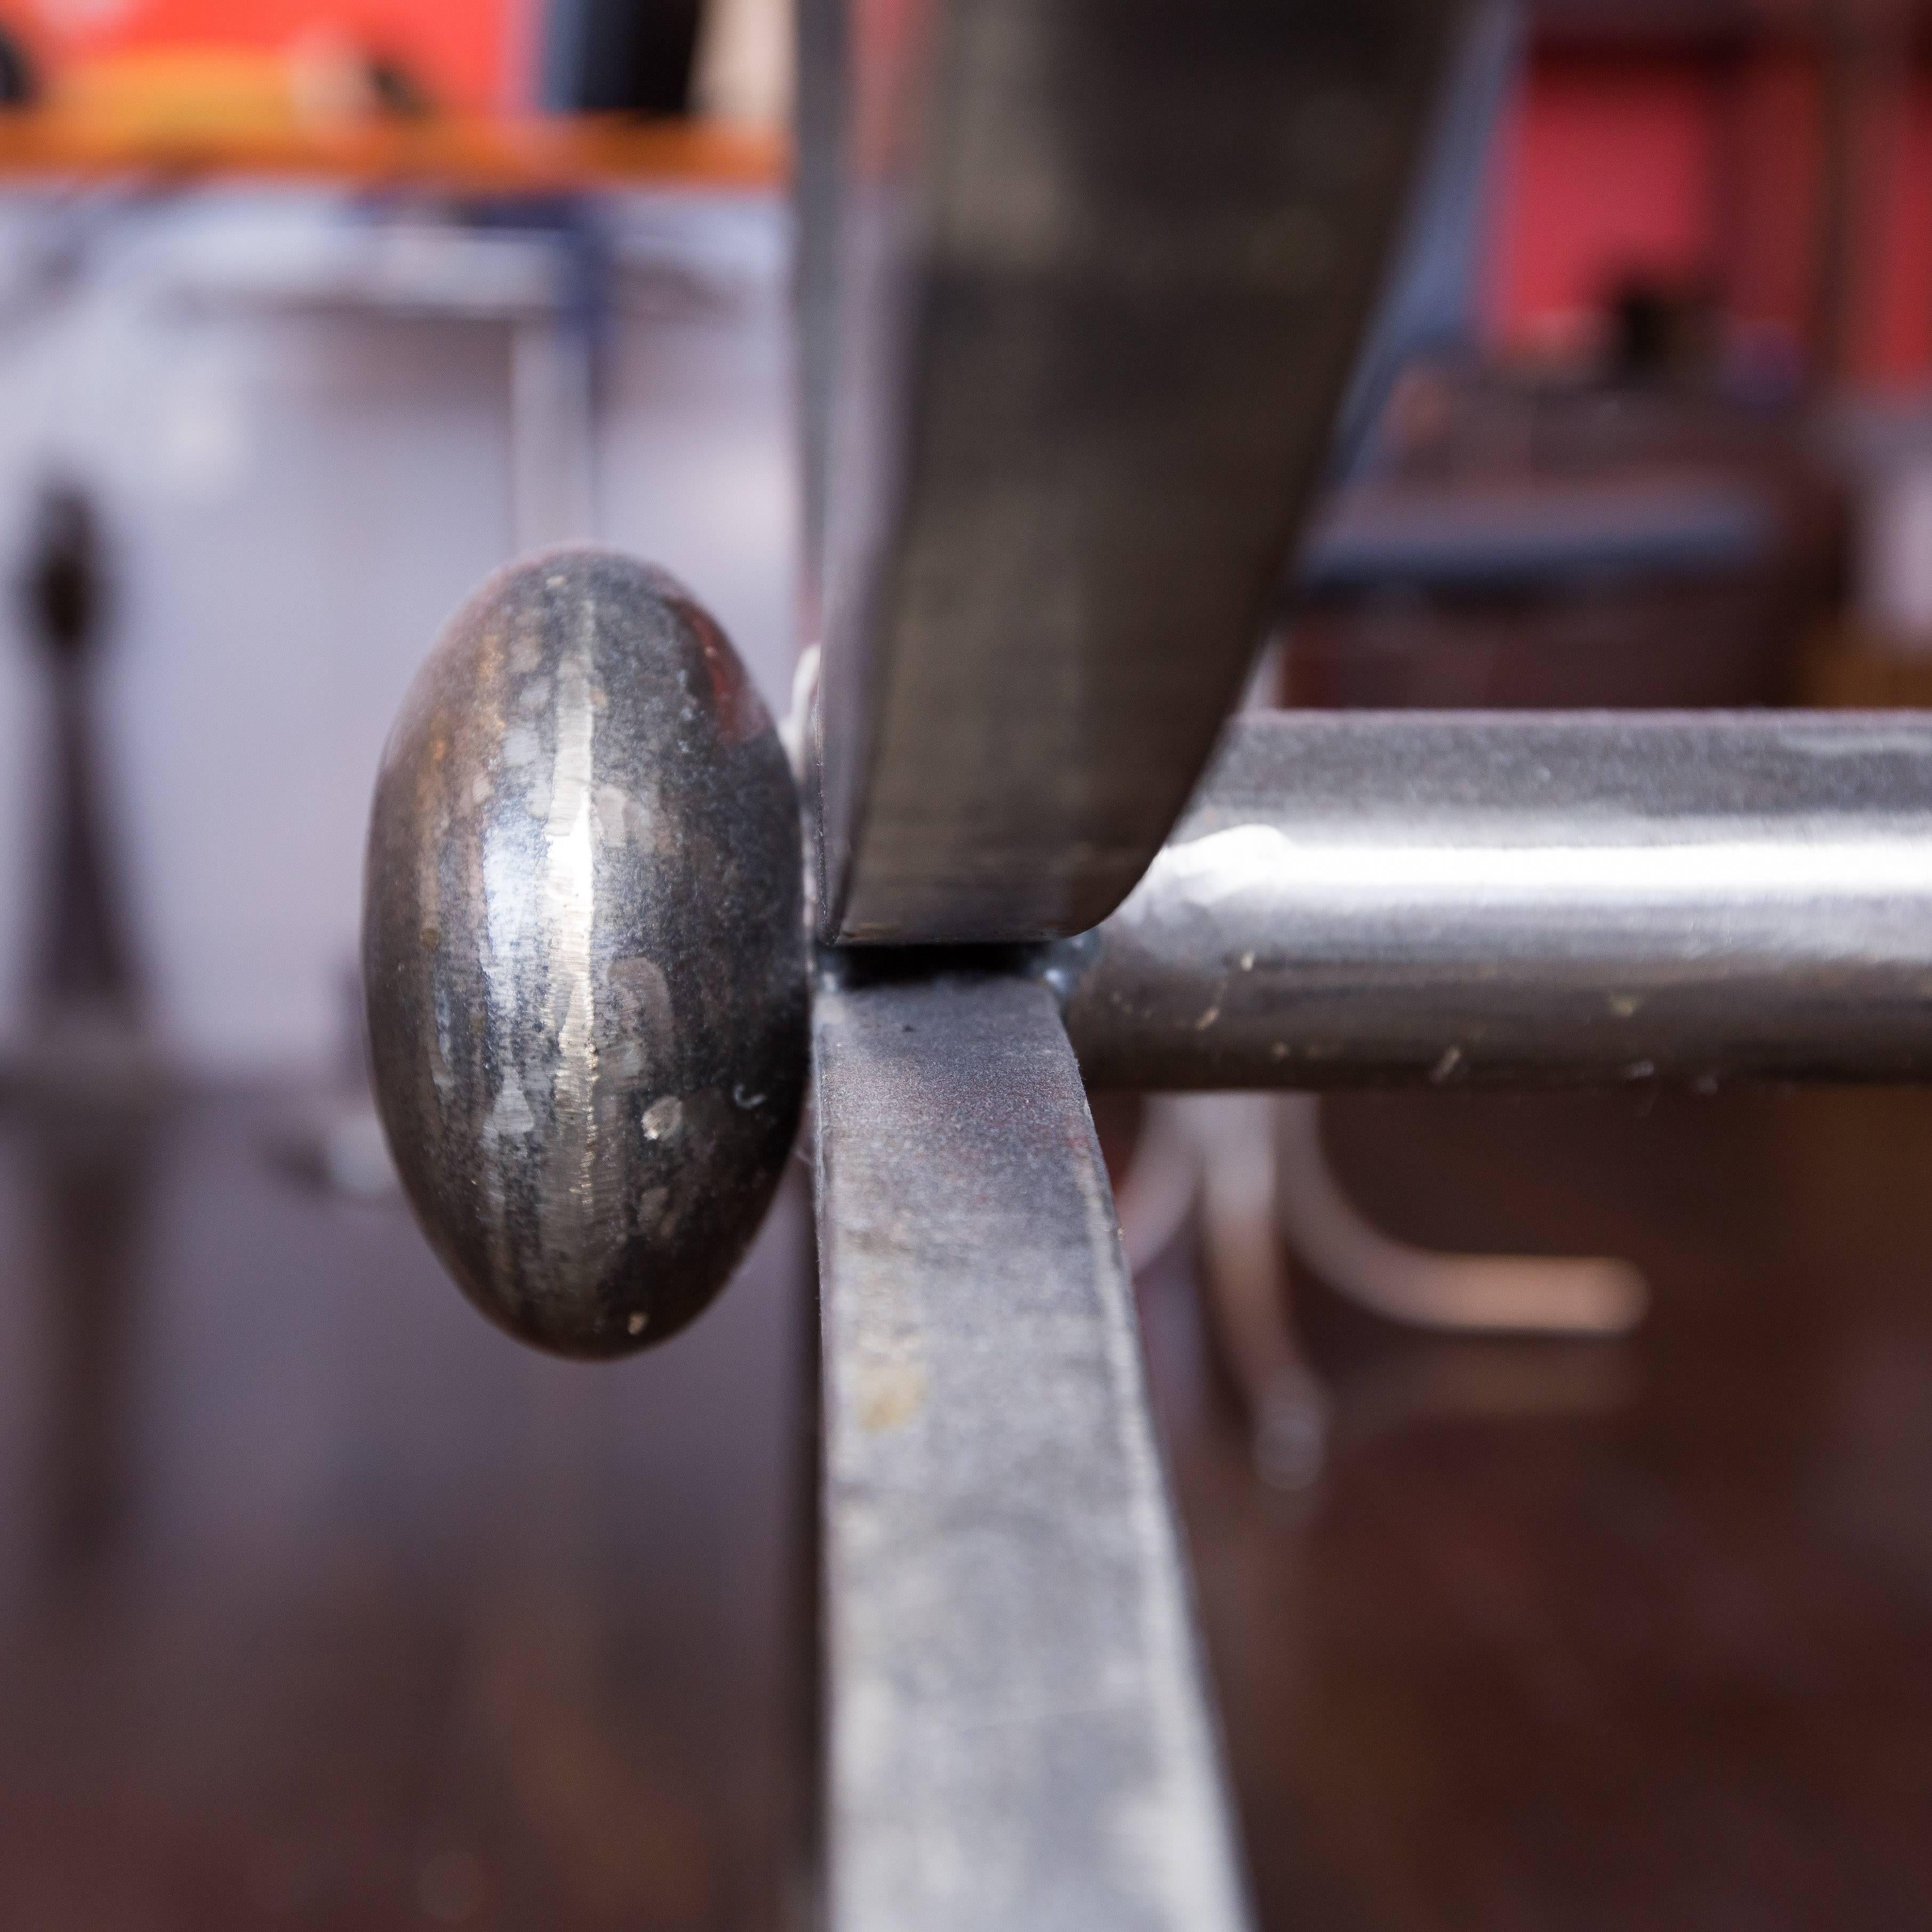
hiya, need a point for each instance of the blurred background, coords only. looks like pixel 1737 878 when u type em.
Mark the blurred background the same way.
pixel 322 1604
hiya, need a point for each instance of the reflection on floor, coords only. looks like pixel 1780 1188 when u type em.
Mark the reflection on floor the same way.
pixel 1598 1636
pixel 322 1605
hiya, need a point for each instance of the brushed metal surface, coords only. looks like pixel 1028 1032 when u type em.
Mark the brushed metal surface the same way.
pixel 1020 1734
pixel 584 952
pixel 1082 281
pixel 1528 899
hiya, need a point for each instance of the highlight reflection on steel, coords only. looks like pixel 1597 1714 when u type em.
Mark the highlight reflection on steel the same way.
pixel 1530 898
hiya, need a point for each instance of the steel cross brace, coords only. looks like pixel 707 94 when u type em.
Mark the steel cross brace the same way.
pixel 1080 286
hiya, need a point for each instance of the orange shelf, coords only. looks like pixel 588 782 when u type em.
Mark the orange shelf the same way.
pixel 490 155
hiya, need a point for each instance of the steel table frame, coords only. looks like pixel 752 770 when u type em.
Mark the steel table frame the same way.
pixel 1080 282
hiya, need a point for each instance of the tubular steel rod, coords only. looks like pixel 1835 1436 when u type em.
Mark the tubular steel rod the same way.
pixel 1020 1734
pixel 1530 898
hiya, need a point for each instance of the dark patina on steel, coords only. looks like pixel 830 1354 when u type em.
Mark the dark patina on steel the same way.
pixel 584 952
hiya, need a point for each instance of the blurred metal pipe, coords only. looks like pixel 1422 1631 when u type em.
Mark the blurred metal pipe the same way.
pixel 1528 899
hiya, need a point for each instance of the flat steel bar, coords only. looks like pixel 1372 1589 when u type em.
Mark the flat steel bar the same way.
pixel 1019 1734
pixel 1531 899
pixel 1083 282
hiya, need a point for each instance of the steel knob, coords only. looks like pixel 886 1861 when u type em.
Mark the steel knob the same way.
pixel 583 954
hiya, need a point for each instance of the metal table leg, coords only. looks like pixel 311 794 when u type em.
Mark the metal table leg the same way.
pixel 1020 1735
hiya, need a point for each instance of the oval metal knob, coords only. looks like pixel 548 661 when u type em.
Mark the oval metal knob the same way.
pixel 583 954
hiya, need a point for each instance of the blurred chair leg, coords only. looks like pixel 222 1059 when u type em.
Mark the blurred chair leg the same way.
pixel 1467 1293
pixel 553 432
pixel 1248 1296
pixel 1213 1151
pixel 1254 1166
pixel 1157 1193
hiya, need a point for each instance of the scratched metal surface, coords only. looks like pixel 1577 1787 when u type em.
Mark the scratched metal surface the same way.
pixel 1020 1736
pixel 1585 898
pixel 584 952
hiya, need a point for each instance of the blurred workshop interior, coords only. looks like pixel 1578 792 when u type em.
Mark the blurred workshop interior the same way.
pixel 322 1603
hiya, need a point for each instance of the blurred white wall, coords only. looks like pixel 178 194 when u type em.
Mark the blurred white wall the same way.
pixel 296 503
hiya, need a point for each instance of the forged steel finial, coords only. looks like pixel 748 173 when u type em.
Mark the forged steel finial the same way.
pixel 583 953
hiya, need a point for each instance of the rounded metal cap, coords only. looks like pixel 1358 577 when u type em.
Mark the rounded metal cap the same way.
pixel 584 952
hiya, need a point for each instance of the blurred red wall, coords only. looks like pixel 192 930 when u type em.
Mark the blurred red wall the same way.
pixel 463 51
pixel 1608 171
pixel 1710 171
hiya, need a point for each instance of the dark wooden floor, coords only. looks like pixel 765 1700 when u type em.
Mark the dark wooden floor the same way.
pixel 1606 1637
pixel 322 1605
